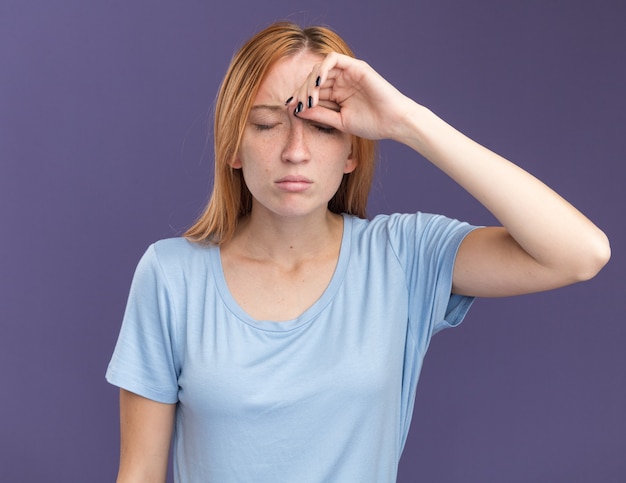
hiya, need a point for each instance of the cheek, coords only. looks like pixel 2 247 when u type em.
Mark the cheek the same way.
pixel 349 163
pixel 245 156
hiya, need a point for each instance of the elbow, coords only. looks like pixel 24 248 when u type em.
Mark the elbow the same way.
pixel 596 256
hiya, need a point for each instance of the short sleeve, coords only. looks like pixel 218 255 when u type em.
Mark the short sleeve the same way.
pixel 426 246
pixel 143 361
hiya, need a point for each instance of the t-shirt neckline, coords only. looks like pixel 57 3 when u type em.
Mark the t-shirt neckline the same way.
pixel 309 314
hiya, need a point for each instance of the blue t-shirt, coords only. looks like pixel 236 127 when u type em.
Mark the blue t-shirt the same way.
pixel 326 397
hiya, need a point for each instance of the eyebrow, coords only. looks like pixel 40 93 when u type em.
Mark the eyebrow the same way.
pixel 333 106
pixel 271 107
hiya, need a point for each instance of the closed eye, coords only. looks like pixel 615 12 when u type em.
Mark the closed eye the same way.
pixel 263 127
pixel 324 129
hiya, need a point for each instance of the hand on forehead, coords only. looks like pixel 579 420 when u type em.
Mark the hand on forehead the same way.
pixel 328 104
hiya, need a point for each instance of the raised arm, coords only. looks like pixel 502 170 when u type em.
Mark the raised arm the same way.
pixel 146 432
pixel 544 242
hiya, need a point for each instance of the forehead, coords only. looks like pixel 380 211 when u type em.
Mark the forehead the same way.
pixel 285 76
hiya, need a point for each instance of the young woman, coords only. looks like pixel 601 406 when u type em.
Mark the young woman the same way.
pixel 283 337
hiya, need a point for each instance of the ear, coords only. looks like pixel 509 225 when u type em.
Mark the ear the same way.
pixel 235 163
pixel 351 163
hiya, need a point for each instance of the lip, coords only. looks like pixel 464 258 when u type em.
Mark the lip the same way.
pixel 294 183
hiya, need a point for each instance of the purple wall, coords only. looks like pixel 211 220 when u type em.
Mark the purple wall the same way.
pixel 104 108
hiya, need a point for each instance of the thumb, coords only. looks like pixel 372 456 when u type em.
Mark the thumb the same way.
pixel 328 116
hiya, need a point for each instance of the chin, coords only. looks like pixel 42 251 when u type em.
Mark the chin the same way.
pixel 294 211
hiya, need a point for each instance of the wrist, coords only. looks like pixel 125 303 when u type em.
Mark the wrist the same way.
pixel 410 128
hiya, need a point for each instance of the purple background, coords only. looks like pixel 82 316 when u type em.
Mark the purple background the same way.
pixel 104 110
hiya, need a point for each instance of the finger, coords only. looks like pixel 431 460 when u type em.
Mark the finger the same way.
pixel 311 85
pixel 327 94
pixel 320 82
pixel 307 95
pixel 322 76
pixel 334 64
pixel 327 116
pixel 308 89
pixel 328 104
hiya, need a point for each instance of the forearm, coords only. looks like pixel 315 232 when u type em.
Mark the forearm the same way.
pixel 146 429
pixel 546 226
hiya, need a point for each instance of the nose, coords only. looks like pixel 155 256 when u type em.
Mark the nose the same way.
pixel 296 147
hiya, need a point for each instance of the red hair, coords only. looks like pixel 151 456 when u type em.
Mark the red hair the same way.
pixel 231 199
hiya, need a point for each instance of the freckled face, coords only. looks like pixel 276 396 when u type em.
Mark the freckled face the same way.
pixel 291 166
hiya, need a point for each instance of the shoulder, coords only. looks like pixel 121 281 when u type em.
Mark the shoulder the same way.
pixel 175 247
pixel 178 250
pixel 177 257
pixel 411 237
pixel 402 224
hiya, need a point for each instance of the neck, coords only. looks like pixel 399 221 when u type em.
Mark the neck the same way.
pixel 288 240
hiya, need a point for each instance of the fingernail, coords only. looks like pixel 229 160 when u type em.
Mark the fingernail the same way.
pixel 298 108
pixel 288 100
pixel 310 103
pixel 318 81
